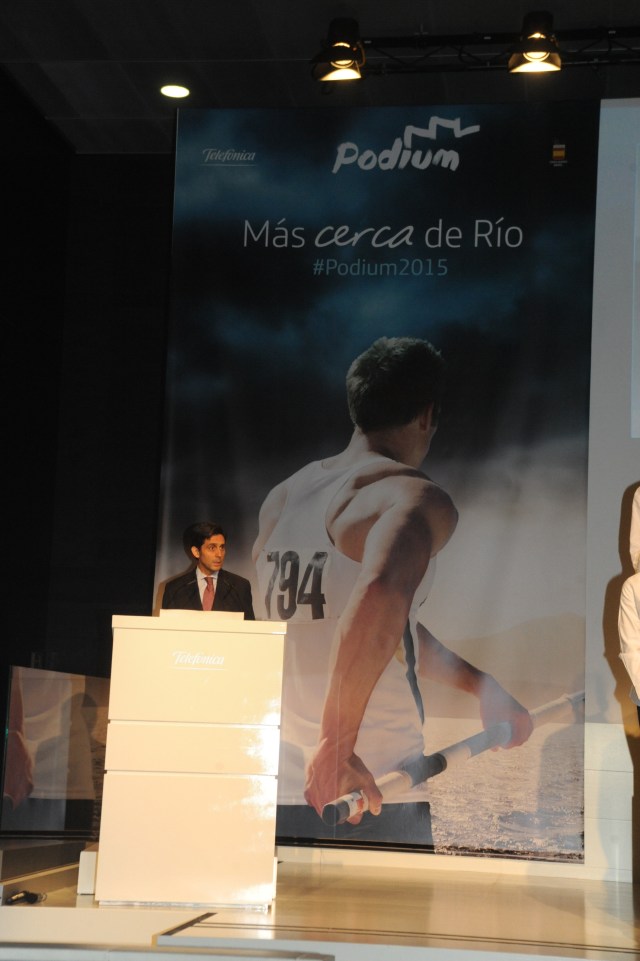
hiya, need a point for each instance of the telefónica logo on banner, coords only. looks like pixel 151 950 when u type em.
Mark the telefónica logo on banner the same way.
pixel 216 157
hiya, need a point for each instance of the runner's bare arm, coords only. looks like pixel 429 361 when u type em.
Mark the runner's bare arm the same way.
pixel 444 666
pixel 393 530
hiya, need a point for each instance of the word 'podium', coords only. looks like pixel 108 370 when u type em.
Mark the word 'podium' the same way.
pixel 189 803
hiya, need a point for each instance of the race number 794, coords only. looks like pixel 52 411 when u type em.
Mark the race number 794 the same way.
pixel 295 586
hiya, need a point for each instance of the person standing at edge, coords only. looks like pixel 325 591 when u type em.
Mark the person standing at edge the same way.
pixel 634 534
pixel 208 586
pixel 629 613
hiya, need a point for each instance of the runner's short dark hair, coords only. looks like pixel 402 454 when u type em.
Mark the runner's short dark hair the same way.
pixel 393 381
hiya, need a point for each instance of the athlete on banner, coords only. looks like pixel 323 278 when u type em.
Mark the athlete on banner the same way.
pixel 344 555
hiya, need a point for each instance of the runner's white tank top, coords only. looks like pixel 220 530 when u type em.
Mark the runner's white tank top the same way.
pixel 304 580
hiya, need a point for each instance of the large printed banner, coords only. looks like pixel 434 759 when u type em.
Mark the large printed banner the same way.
pixel 300 239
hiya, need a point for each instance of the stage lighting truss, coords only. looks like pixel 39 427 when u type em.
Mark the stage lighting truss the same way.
pixel 458 53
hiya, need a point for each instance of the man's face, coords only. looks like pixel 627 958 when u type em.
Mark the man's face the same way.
pixel 210 555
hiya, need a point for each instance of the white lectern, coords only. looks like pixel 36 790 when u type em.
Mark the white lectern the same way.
pixel 189 803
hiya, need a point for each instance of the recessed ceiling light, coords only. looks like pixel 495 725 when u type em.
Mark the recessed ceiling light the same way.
pixel 175 91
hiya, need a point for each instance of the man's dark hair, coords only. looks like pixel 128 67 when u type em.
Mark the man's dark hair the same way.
pixel 196 534
pixel 393 381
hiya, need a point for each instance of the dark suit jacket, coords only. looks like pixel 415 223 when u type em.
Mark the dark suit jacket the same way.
pixel 233 593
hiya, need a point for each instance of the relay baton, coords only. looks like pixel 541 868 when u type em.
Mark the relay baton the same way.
pixel 415 772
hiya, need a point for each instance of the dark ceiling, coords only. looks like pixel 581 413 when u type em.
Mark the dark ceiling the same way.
pixel 93 68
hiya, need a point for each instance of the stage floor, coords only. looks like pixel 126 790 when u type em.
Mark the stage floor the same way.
pixel 345 913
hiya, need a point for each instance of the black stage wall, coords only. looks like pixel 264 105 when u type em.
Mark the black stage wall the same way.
pixel 34 169
pixel 83 298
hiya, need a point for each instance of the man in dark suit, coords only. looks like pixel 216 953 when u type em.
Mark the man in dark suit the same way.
pixel 208 587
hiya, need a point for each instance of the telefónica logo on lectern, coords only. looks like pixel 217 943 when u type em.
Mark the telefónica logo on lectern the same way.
pixel 187 660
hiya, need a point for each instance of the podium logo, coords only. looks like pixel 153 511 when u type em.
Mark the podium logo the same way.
pixel 415 148
pixel 186 660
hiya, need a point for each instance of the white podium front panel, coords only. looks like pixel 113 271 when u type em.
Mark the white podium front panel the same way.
pixel 209 748
pixel 189 804
pixel 187 839
pixel 213 676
